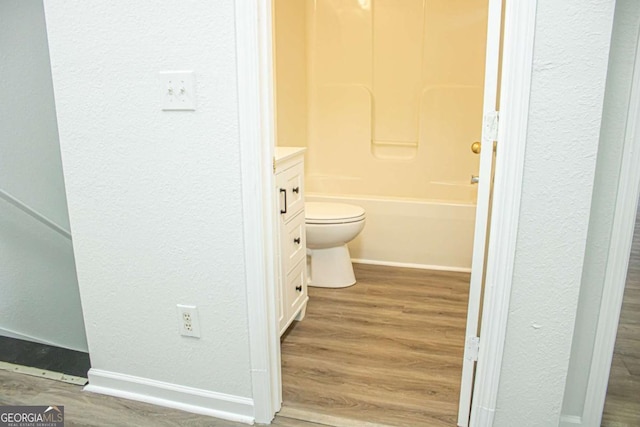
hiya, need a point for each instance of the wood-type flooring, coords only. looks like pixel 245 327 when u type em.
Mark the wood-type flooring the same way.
pixel 84 409
pixel 385 351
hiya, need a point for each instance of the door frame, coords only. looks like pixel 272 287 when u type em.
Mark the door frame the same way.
pixel 515 88
pixel 256 116
pixel 257 136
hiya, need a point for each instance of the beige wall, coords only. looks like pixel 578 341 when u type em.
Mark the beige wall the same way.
pixel 394 94
pixel 290 59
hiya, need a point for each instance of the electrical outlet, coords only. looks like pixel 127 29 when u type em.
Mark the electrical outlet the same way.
pixel 188 320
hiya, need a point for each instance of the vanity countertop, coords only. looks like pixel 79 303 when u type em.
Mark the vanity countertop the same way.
pixel 284 153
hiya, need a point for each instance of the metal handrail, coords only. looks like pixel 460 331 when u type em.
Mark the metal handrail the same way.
pixel 35 214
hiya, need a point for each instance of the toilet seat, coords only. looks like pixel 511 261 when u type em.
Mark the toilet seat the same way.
pixel 332 213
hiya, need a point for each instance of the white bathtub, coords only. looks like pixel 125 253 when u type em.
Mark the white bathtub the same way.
pixel 428 234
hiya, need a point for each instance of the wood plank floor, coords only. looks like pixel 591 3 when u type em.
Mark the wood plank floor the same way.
pixel 387 351
pixel 96 410
pixel 622 406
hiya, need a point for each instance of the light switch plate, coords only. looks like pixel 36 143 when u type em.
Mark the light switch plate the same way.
pixel 178 90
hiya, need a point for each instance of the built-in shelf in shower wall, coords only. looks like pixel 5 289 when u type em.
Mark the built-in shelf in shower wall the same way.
pixel 397 41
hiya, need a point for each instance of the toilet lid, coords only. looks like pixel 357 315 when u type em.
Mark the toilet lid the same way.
pixel 327 213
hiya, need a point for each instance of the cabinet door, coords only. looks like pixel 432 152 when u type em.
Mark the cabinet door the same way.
pixel 290 191
pixel 295 290
pixel 293 242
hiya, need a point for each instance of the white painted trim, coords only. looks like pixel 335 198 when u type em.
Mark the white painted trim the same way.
pixel 517 66
pixel 618 259
pixel 570 420
pixel 412 265
pixel 198 401
pixel 35 214
pixel 253 42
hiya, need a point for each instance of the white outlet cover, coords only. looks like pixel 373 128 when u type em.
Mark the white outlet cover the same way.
pixel 178 90
pixel 190 311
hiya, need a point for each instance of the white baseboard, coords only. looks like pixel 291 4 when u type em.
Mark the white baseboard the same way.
pixel 570 421
pixel 484 416
pixel 189 399
pixel 410 265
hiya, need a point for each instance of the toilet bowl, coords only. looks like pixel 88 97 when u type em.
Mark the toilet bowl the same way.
pixel 329 227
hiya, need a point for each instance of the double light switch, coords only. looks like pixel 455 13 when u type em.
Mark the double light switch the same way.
pixel 178 90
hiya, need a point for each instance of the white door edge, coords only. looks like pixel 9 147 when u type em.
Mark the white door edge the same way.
pixel 256 128
pixel 618 259
pixel 492 69
pixel 517 65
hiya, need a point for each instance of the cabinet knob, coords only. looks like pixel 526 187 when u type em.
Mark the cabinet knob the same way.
pixel 297 240
pixel 296 190
pixel 299 288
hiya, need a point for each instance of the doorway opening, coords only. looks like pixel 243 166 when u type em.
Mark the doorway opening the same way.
pixel 388 110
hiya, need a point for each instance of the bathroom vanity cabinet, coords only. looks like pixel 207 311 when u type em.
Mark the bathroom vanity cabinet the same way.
pixel 291 239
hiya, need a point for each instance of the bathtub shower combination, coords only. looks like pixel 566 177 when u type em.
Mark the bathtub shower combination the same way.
pixel 386 96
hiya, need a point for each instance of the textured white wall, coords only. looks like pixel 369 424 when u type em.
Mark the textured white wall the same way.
pixel 570 63
pixel 614 120
pixel 154 197
pixel 30 165
pixel 40 299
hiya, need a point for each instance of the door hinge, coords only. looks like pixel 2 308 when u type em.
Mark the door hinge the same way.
pixel 471 348
pixel 490 126
pixel 274 165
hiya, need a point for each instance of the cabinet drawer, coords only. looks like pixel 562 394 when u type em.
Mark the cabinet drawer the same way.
pixel 295 289
pixel 293 242
pixel 291 191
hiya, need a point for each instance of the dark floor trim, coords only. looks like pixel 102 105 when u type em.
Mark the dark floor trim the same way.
pixel 43 356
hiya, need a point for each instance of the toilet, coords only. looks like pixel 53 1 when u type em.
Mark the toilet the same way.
pixel 330 226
